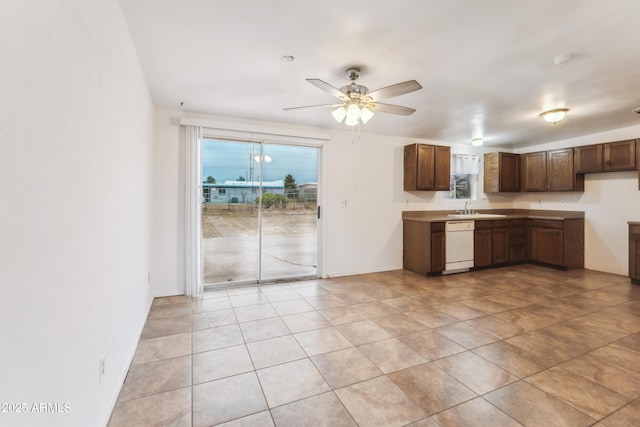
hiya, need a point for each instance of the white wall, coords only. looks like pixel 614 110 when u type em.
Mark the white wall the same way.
pixel 75 184
pixel 167 259
pixel 366 172
pixel 363 237
pixel 610 199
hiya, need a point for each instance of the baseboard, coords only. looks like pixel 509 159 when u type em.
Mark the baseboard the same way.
pixel 123 375
pixel 356 272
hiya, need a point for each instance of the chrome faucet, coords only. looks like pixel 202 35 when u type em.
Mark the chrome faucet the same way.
pixel 466 210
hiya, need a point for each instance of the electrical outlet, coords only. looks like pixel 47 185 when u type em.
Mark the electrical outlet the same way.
pixel 101 367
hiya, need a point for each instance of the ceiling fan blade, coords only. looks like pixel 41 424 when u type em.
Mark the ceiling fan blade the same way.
pixel 314 106
pixel 320 84
pixel 392 109
pixel 394 90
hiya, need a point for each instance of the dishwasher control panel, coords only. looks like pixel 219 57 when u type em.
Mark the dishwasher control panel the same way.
pixel 459 225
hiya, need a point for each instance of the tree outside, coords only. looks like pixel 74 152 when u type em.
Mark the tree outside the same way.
pixel 290 187
pixel 210 180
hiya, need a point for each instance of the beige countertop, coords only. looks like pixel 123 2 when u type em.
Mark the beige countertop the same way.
pixel 438 216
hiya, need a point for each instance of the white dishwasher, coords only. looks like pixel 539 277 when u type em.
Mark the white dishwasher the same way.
pixel 459 246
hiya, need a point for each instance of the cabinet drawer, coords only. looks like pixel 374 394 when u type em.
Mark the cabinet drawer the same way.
pixel 543 223
pixel 437 226
pixel 501 223
pixel 634 230
pixel 517 222
pixel 483 225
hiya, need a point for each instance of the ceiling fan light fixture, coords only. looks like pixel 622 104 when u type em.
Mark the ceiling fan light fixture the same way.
pixel 357 102
pixel 554 116
pixel 365 114
pixel 353 113
pixel 339 114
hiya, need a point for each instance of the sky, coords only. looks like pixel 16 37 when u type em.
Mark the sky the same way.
pixel 226 161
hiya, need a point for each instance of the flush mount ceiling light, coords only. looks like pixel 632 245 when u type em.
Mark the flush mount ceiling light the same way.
pixel 554 116
pixel 476 142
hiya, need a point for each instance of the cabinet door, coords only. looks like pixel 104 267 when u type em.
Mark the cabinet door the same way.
pixel 620 155
pixel 500 244
pixel 442 165
pixel 517 240
pixel 482 247
pixel 634 253
pixel 437 251
pixel 509 172
pixel 426 167
pixel 501 172
pixel 588 158
pixel 534 171
pixel 425 175
pixel 547 245
pixel 560 176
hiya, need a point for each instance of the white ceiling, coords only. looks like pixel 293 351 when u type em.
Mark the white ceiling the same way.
pixel 486 67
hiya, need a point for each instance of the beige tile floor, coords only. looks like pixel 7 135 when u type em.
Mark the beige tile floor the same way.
pixel 513 346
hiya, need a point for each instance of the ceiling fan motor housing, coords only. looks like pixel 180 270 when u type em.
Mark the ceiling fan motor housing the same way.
pixel 354 90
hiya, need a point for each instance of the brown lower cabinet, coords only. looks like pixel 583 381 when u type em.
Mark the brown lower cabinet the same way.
pixel 483 244
pixel 423 247
pixel 517 240
pixel 491 243
pixel 634 253
pixel 500 242
pixel 558 243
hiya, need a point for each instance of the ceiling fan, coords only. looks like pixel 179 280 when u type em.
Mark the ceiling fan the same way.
pixel 358 104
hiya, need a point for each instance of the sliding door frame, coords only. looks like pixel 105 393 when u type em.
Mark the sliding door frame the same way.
pixel 266 135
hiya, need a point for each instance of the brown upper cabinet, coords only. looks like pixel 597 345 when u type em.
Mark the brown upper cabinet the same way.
pixel 619 156
pixel 558 170
pixel 501 172
pixel 610 156
pixel 560 174
pixel 427 167
pixel 550 171
pixel 638 160
pixel 533 167
pixel 588 158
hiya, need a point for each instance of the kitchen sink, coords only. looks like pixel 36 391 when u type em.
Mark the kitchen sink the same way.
pixel 476 215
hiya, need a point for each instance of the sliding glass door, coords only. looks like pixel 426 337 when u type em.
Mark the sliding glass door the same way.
pixel 259 211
